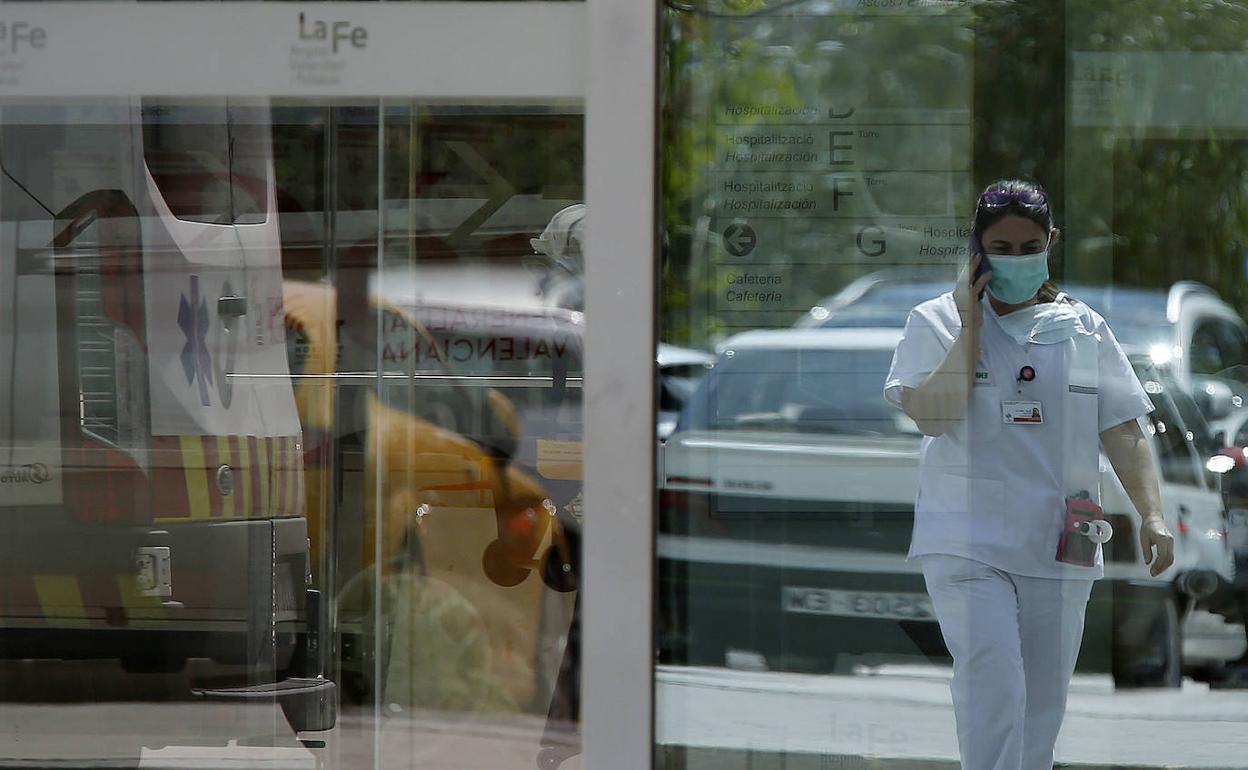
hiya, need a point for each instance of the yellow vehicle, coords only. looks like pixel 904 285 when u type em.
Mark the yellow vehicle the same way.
pixel 468 424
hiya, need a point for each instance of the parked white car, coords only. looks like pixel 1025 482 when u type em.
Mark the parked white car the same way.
pixel 787 502
pixel 1188 328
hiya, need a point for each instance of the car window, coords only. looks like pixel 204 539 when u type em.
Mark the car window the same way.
pixel 1199 434
pixel 1137 316
pixel 249 165
pixel 681 380
pixel 1233 349
pixel 885 305
pixel 817 391
pixel 187 148
pixel 1173 439
pixel 210 162
pixel 1205 356
pixel 1173 450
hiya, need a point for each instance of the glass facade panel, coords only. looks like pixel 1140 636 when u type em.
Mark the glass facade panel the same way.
pixel 878 507
pixel 153 507
pixel 291 430
pixel 444 385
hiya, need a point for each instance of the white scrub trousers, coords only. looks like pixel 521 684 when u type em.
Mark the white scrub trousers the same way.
pixel 1014 641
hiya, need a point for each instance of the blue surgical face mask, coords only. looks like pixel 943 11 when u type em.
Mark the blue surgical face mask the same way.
pixel 1017 279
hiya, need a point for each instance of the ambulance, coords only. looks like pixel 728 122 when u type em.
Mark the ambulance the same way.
pixel 151 471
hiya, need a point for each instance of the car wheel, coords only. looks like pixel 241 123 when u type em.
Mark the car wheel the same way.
pixel 1156 660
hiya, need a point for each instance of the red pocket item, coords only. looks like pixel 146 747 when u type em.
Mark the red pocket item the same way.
pixel 1074 547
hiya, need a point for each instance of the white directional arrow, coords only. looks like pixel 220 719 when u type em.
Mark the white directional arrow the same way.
pixel 500 191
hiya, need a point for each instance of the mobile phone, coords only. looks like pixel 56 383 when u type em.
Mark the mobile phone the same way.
pixel 976 248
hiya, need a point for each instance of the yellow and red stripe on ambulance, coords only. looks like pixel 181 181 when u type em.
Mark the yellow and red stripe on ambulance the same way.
pixel 227 477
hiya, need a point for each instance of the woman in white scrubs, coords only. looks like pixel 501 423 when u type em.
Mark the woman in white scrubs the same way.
pixel 1013 383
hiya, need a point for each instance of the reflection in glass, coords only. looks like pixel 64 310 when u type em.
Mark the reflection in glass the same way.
pixel 266 493
pixel 819 166
pixel 153 475
pixel 448 393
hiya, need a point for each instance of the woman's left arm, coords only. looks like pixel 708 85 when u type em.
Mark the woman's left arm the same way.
pixel 1132 457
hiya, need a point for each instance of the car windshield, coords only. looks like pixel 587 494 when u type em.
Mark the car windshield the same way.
pixel 802 390
pixel 884 305
pixel 1137 316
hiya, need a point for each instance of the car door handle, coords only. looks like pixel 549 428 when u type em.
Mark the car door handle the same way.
pixel 232 306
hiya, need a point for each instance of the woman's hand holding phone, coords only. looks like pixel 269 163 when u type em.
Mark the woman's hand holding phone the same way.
pixel 971 285
pixel 940 402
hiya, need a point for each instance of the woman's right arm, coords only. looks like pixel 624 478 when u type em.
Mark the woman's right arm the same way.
pixel 940 402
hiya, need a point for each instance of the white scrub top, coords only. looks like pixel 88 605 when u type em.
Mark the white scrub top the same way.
pixel 994 492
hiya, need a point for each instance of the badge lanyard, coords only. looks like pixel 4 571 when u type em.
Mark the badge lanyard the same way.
pixel 1020 411
pixel 1026 373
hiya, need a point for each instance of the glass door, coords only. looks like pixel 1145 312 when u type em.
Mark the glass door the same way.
pixel 850 574
pixel 296 450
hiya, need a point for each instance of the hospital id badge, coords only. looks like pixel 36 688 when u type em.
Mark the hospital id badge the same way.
pixel 1022 413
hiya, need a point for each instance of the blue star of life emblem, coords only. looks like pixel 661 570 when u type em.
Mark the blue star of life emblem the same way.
pixel 196 358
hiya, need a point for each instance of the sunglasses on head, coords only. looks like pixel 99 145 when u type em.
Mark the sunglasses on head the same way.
pixel 998 198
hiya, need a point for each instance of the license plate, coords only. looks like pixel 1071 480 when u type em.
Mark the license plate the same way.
pixel 857 604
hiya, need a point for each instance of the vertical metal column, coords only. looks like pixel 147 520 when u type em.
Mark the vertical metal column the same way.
pixel 621 193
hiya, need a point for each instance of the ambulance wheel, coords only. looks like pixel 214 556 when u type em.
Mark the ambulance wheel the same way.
pixel 557 572
pixel 500 567
pixel 1157 661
